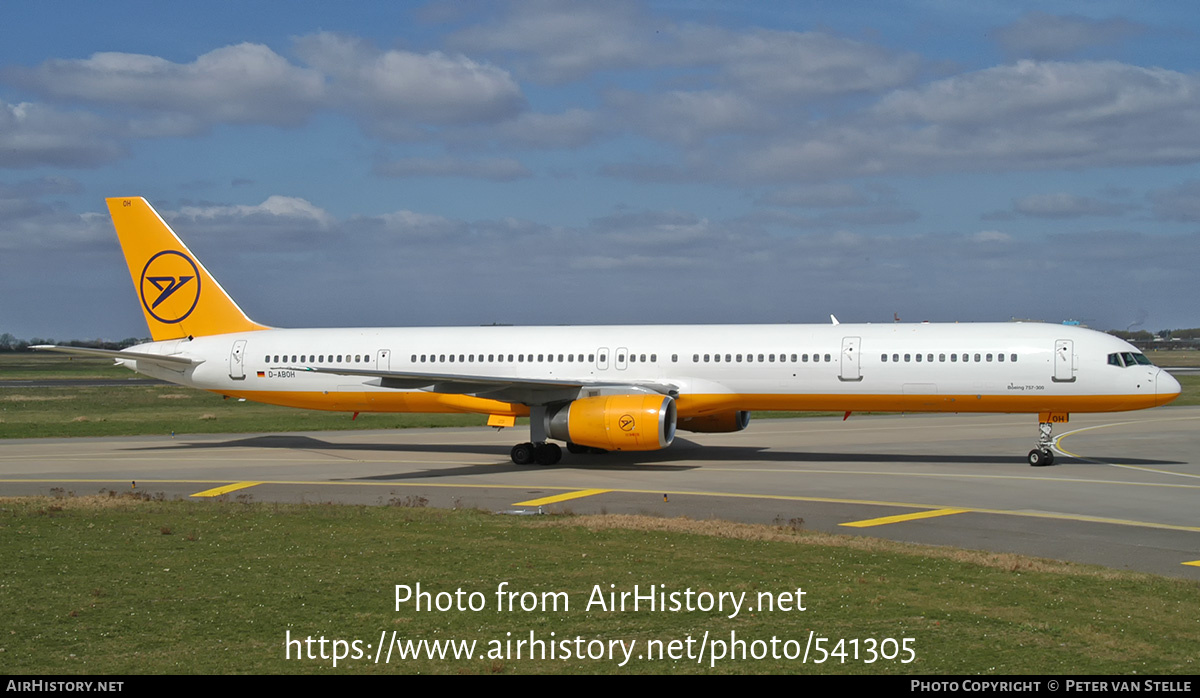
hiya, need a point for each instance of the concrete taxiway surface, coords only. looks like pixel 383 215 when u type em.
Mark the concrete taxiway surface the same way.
pixel 1123 491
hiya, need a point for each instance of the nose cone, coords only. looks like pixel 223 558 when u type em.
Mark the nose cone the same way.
pixel 1166 388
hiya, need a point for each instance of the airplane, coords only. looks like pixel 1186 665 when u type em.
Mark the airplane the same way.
pixel 615 388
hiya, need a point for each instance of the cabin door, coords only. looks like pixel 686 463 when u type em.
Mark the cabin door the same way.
pixel 850 361
pixel 1064 361
pixel 237 360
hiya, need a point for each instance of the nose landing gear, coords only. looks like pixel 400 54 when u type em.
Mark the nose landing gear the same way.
pixel 1043 454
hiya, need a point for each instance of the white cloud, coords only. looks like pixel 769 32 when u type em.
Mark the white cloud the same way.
pixel 284 209
pixel 35 135
pixel 1042 35
pixel 560 42
pixel 244 83
pixel 1027 116
pixel 431 88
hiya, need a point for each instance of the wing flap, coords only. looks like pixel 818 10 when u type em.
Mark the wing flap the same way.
pixel 469 384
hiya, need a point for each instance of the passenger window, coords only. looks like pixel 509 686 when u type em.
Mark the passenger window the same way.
pixel 929 358
pixel 954 358
pixel 793 358
pixel 895 357
pixel 771 358
pixel 907 358
pixel 643 359
pixel 804 358
pixel 716 358
pixel 1012 357
pixel 977 358
pixel 918 358
pixel 695 358
pixel 883 358
pixel 739 358
pixel 1000 357
pixel 942 358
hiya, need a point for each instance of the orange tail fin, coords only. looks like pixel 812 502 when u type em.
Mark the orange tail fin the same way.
pixel 178 295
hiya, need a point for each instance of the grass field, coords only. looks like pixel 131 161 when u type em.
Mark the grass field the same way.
pixel 139 409
pixel 113 584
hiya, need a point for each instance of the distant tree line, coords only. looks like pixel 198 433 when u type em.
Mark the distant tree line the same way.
pixel 10 343
pixel 1162 338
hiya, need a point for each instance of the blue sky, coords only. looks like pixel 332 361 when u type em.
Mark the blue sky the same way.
pixel 630 162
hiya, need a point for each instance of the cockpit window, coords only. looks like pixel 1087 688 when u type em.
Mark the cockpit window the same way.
pixel 1127 359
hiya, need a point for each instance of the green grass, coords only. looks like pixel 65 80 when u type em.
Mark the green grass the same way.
pixel 129 410
pixel 47 366
pixel 112 584
pixel 1175 358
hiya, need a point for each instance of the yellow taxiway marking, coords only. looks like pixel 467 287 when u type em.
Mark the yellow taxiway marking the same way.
pixel 1049 515
pixel 218 491
pixel 1193 563
pixel 1058 446
pixel 559 498
pixel 883 520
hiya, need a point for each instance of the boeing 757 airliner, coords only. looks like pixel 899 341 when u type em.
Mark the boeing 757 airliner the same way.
pixel 615 388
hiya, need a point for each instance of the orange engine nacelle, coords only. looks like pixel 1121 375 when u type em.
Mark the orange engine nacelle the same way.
pixel 615 422
pixel 719 423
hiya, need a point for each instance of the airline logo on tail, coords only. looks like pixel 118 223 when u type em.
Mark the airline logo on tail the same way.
pixel 170 286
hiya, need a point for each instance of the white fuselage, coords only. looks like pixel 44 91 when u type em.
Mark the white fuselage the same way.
pixel 969 367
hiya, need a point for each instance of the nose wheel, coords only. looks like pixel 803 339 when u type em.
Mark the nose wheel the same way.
pixel 1043 454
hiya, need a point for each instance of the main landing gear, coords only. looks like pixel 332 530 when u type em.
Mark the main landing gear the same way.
pixel 537 449
pixel 543 453
pixel 1043 454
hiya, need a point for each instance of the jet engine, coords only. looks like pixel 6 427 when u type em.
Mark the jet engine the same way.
pixel 719 423
pixel 615 422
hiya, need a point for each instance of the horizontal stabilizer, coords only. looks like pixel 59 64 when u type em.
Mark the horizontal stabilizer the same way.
pixel 173 361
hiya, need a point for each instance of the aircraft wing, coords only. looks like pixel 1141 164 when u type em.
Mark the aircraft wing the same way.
pixel 172 361
pixel 496 387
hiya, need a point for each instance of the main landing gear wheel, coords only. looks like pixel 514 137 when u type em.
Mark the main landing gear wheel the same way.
pixel 547 453
pixel 541 453
pixel 522 454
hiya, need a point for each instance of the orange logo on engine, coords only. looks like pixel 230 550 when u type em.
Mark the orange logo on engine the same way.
pixel 625 422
